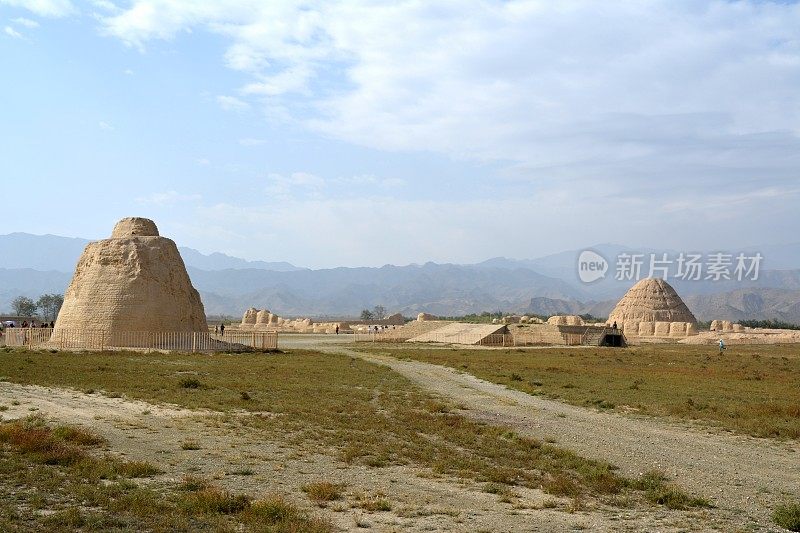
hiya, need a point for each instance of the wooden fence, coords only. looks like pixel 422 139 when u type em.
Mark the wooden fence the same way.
pixel 178 341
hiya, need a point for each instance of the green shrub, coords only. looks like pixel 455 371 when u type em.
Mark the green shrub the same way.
pixel 190 383
pixel 788 516
pixel 212 500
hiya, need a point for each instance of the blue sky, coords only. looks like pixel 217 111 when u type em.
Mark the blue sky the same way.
pixel 364 133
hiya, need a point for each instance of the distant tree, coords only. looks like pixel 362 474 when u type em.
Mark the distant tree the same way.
pixel 49 305
pixel 769 324
pixel 379 312
pixel 366 314
pixel 23 306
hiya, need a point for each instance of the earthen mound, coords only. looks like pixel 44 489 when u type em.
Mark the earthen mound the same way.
pixel 651 300
pixel 134 281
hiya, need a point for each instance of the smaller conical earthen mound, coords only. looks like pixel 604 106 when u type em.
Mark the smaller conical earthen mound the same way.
pixel 651 300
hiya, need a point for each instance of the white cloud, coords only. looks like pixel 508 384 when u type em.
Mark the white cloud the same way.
pixel 294 79
pixel 729 205
pixel 372 229
pixel 526 81
pixel 44 8
pixel 634 106
pixel 287 186
pixel 28 23
pixel 128 72
pixel 105 126
pixel 231 103
pixel 370 181
pixel 11 32
pixel 105 5
pixel 304 185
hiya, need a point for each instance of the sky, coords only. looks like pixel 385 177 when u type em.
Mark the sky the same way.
pixel 365 133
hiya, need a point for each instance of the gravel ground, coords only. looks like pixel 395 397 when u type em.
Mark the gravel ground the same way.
pixel 238 458
pixel 744 477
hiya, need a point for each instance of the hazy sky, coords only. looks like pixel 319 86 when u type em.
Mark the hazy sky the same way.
pixel 364 133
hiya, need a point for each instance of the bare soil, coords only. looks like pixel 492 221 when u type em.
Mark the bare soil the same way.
pixel 744 477
pixel 239 458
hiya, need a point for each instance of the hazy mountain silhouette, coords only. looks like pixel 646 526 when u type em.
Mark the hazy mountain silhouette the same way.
pixel 31 265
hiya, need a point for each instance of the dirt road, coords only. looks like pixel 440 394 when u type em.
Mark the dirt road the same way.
pixel 239 458
pixel 744 476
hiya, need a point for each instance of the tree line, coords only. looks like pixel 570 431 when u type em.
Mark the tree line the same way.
pixel 376 313
pixel 46 307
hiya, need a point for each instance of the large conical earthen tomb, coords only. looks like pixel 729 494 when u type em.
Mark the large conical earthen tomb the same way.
pixel 653 308
pixel 134 281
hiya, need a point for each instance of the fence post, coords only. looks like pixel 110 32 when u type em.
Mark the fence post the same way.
pixel 194 341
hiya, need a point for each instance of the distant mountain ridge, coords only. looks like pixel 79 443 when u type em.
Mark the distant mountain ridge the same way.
pixel 31 265
pixel 53 252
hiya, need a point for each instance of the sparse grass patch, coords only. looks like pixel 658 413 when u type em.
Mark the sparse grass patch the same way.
pixel 323 491
pixel 194 483
pixel 436 406
pixel 787 516
pixel 190 383
pixel 751 390
pixel 492 488
pixel 276 514
pixel 367 413
pixel 138 469
pixel 373 505
pixel 561 485
pixel 244 471
pixel 213 500
pixel 190 445
pixel 69 487
pixel 658 491
pixel 78 436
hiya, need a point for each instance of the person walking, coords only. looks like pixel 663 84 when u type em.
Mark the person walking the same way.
pixel 222 329
pixel 721 346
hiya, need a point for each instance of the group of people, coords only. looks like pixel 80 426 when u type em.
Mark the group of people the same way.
pixel 219 330
pixel 25 324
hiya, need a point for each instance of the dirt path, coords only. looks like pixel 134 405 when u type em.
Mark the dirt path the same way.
pixel 241 459
pixel 744 476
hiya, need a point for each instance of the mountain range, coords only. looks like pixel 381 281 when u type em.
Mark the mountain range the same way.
pixel 32 265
